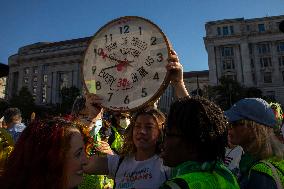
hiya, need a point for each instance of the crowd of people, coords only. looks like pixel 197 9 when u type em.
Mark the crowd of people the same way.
pixel 196 146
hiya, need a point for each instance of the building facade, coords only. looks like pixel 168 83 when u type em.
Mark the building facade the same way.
pixel 250 51
pixel 45 68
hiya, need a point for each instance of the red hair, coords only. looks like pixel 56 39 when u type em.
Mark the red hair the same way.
pixel 38 160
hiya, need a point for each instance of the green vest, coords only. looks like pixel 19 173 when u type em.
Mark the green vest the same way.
pixel 95 182
pixel 208 175
pixel 263 168
pixel 118 140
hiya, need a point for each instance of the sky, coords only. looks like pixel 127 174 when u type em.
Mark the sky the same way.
pixel 24 22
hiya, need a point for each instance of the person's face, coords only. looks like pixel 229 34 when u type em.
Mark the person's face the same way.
pixel 76 159
pixel 145 132
pixel 16 119
pixel 238 134
pixel 172 147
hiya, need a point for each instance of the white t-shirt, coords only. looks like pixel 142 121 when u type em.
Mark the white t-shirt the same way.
pixel 233 157
pixel 147 174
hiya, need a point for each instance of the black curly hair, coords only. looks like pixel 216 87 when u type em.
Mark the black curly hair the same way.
pixel 202 124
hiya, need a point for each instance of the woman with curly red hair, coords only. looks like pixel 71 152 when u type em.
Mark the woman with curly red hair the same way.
pixel 49 154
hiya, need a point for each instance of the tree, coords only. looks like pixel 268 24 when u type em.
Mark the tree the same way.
pixel 24 101
pixel 230 91
pixel 68 95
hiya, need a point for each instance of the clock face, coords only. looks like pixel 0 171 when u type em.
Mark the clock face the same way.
pixel 125 63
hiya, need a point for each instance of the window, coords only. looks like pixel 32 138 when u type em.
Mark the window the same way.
pixel 267 77
pixel 265 62
pixel 261 27
pixel 225 30
pixel 26 80
pixel 232 29
pixel 280 47
pixel 44 94
pixel 219 30
pixel 63 80
pixel 34 92
pixel 35 70
pixel 281 61
pixel 45 78
pixel 45 67
pixel 228 64
pixel 26 71
pixel 35 79
pixel 248 28
pixel 227 51
pixel 263 48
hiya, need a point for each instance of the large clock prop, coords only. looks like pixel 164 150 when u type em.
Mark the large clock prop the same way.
pixel 125 63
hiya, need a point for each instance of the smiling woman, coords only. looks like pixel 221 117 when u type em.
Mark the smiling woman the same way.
pixel 48 154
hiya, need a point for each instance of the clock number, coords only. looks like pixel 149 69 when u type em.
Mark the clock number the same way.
pixel 153 41
pixel 144 93
pixel 110 95
pixel 156 76
pixel 94 68
pixel 140 30
pixel 149 61
pixel 160 57
pixel 108 37
pixel 124 29
pixel 126 100
pixel 98 85
pixel 99 52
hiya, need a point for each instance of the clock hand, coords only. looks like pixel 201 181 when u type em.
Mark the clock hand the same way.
pixel 109 67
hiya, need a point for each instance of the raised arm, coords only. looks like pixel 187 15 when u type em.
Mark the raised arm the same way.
pixel 176 75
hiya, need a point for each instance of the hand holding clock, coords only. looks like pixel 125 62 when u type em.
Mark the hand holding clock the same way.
pixel 93 102
pixel 176 75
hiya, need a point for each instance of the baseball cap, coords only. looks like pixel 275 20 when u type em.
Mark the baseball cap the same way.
pixel 255 109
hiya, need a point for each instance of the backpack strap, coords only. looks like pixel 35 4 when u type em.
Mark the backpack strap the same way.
pixel 118 165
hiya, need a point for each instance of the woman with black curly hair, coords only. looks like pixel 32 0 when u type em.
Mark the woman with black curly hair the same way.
pixel 194 143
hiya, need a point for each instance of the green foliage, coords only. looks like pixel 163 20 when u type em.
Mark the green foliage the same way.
pixel 24 101
pixel 68 95
pixel 230 91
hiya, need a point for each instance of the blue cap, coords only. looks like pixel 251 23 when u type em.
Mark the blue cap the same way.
pixel 255 109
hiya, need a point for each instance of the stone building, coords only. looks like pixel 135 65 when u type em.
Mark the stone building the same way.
pixel 250 51
pixel 45 68
pixel 4 71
